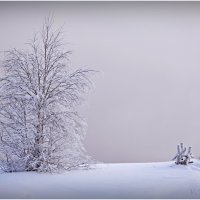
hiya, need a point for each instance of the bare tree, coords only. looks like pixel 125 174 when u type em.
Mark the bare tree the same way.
pixel 41 128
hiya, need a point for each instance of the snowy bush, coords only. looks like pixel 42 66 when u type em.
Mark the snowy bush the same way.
pixel 40 124
pixel 183 157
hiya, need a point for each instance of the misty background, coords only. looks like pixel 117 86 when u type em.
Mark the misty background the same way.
pixel 148 97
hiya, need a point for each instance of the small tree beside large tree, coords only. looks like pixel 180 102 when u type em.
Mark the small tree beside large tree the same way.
pixel 40 125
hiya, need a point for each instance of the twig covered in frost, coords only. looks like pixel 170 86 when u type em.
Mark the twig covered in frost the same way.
pixel 183 157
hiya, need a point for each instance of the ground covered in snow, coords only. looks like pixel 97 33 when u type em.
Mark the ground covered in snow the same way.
pixel 131 180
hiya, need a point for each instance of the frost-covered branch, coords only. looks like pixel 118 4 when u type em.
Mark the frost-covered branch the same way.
pixel 183 156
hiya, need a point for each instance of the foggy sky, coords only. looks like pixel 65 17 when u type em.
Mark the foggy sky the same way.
pixel 148 97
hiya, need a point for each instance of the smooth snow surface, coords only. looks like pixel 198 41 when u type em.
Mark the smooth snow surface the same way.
pixel 131 180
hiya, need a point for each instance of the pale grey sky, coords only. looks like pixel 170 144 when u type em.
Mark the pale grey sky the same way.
pixel 148 98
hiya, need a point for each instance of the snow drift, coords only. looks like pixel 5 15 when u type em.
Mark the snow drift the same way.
pixel 130 180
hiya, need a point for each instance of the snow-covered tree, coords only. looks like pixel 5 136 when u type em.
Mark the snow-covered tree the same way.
pixel 183 157
pixel 41 128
